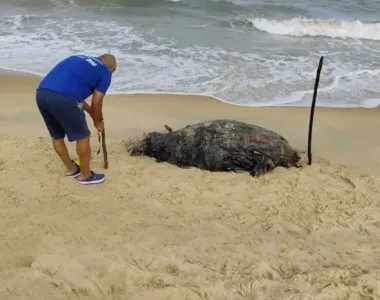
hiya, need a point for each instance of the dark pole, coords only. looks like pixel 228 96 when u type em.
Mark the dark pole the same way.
pixel 104 146
pixel 309 155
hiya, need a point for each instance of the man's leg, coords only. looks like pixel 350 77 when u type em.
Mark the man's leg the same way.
pixel 84 153
pixel 61 149
pixel 55 130
pixel 77 131
pixel 72 120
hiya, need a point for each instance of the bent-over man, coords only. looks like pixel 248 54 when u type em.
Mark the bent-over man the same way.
pixel 60 99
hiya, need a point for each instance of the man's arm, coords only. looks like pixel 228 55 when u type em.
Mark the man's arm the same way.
pixel 87 108
pixel 96 106
pixel 97 97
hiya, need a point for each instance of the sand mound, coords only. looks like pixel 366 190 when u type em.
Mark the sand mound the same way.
pixel 154 231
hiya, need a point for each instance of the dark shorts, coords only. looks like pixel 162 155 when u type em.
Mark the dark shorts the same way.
pixel 62 116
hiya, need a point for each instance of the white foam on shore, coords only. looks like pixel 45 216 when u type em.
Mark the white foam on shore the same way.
pixel 316 27
pixel 368 103
pixel 30 43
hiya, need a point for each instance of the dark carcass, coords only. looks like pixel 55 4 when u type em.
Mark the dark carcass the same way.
pixel 220 145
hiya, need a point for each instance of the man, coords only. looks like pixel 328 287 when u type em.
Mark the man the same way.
pixel 60 99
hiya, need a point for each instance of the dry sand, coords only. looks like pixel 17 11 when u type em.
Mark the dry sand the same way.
pixel 154 231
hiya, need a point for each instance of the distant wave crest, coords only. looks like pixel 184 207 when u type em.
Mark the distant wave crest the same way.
pixel 315 27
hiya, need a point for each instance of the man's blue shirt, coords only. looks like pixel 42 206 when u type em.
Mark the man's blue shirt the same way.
pixel 76 77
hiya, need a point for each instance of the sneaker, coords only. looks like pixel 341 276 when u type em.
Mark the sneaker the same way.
pixel 94 178
pixel 76 173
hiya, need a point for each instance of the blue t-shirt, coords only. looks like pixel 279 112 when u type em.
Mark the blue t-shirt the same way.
pixel 76 77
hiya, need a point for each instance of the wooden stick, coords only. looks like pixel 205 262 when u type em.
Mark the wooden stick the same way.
pixel 168 128
pixel 104 148
pixel 312 110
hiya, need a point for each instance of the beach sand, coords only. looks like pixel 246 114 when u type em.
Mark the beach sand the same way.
pixel 155 231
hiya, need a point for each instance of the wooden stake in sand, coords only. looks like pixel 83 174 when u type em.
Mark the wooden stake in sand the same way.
pixel 309 155
pixel 104 148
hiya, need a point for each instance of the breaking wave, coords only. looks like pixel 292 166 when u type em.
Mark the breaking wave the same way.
pixel 316 27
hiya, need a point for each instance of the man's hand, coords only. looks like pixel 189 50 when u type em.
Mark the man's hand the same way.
pixel 99 126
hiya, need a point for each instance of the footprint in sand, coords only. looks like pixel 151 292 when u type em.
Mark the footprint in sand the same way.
pixel 321 174
pixel 342 182
pixel 289 228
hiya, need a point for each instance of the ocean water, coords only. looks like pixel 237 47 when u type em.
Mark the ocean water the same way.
pixel 244 52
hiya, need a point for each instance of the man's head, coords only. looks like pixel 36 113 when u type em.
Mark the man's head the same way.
pixel 109 60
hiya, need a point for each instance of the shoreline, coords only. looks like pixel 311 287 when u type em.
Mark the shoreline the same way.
pixel 338 133
pixel 16 73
